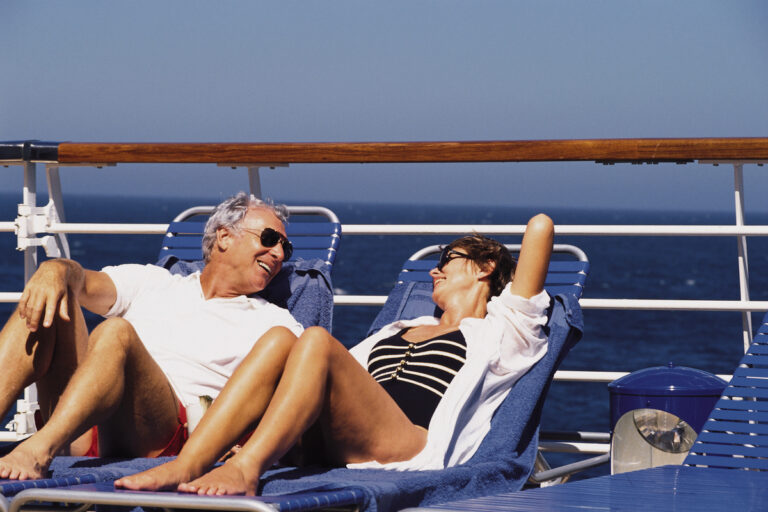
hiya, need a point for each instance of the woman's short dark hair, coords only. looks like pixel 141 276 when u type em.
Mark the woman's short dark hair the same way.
pixel 485 251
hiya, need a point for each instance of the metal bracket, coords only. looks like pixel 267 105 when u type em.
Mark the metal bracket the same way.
pixel 23 422
pixel 254 179
pixel 32 220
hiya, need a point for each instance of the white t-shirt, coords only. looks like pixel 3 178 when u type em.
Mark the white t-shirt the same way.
pixel 197 343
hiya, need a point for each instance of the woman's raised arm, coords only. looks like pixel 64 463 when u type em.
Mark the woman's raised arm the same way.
pixel 534 257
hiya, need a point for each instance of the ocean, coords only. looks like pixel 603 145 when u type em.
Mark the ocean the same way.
pixel 621 267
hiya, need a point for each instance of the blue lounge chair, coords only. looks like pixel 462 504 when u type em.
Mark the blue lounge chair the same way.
pixel 723 471
pixel 303 285
pixel 503 461
pixel 314 234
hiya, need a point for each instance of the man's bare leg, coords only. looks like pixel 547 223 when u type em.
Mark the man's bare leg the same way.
pixel 321 382
pixel 235 411
pixel 49 356
pixel 117 377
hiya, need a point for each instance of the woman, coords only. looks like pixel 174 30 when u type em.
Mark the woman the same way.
pixel 366 423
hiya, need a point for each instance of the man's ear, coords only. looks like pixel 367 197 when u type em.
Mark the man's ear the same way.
pixel 224 238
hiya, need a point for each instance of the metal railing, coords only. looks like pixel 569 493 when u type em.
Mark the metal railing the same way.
pixel 49 222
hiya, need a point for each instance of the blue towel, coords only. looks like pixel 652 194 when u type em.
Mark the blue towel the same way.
pixel 303 287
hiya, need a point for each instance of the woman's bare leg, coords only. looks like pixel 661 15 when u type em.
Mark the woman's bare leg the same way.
pixel 321 382
pixel 234 412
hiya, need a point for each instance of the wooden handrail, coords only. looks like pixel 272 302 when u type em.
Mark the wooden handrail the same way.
pixel 600 150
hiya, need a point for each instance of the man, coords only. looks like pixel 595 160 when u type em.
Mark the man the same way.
pixel 167 341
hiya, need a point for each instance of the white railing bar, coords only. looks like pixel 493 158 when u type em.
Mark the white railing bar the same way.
pixel 108 229
pixel 617 304
pixel 440 229
pixel 574 447
pixel 597 376
pixel 620 304
pixel 560 229
pixel 675 305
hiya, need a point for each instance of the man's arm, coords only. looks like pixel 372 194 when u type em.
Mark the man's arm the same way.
pixel 47 292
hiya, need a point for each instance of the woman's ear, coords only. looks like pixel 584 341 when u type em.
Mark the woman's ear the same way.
pixel 485 270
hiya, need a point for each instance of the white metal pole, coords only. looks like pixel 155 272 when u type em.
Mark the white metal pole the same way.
pixel 56 202
pixel 254 180
pixel 29 198
pixel 746 317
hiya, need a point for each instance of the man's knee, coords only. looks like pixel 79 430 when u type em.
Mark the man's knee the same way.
pixel 115 332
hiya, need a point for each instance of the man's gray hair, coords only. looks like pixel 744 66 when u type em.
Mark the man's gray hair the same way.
pixel 230 213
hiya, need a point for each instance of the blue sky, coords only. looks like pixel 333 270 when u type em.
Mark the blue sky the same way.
pixel 389 71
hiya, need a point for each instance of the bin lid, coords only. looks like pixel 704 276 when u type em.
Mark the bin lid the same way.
pixel 668 380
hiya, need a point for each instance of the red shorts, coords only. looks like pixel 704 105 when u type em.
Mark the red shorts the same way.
pixel 173 447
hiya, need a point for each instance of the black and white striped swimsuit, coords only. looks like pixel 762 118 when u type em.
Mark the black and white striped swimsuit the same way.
pixel 416 375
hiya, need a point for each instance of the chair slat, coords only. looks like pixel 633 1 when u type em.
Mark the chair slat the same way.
pixel 184 254
pixel 721 414
pixel 732 426
pixel 557 290
pixel 182 242
pixel 758 349
pixel 744 405
pixel 750 382
pixel 745 392
pixel 727 449
pixel 726 462
pixel 718 437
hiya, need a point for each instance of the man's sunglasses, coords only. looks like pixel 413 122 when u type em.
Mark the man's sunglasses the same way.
pixel 448 255
pixel 269 238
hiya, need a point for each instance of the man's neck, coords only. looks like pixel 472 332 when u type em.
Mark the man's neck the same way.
pixel 213 285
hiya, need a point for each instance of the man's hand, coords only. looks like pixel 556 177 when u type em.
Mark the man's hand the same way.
pixel 47 291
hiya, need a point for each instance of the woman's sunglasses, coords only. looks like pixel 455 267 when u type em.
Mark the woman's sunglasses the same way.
pixel 448 255
pixel 269 238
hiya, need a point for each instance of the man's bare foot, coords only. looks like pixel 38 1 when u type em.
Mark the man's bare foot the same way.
pixel 227 479
pixel 25 462
pixel 161 478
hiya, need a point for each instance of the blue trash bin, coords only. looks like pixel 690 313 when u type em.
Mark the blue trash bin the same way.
pixel 688 393
pixel 656 414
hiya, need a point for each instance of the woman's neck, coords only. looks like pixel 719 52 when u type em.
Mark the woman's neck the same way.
pixel 471 305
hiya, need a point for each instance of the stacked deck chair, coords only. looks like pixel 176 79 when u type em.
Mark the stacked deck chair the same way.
pixel 503 461
pixel 302 286
pixel 726 469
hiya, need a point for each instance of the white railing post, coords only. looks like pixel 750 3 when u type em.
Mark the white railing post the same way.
pixel 29 201
pixel 55 207
pixel 23 423
pixel 746 316
pixel 254 181
pixel 254 178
